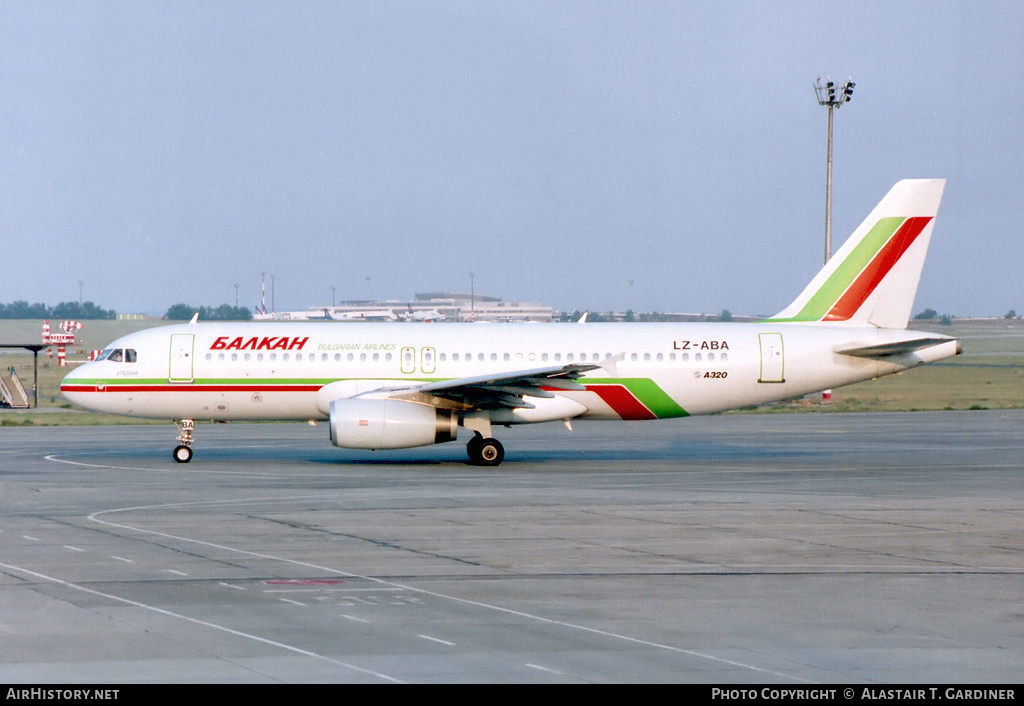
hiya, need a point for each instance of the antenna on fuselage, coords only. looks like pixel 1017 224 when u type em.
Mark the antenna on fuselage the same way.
pixel 195 318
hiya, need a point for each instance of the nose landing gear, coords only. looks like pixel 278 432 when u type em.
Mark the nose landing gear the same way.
pixel 183 452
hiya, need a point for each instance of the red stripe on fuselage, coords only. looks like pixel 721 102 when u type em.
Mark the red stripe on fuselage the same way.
pixel 186 387
pixel 877 269
pixel 623 402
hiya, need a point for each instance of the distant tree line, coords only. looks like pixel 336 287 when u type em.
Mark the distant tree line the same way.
pixel 64 310
pixel 932 315
pixel 224 312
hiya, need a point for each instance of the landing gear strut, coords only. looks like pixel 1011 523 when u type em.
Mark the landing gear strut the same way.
pixel 485 452
pixel 183 452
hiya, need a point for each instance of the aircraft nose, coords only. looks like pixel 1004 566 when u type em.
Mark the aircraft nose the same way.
pixel 73 386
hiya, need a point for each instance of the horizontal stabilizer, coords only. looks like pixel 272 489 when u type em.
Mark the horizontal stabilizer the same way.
pixel 884 350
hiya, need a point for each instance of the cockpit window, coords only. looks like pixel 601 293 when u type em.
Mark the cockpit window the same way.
pixel 118 355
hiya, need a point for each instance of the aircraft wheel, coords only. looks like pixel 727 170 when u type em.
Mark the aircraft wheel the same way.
pixel 491 452
pixel 183 454
pixel 473 449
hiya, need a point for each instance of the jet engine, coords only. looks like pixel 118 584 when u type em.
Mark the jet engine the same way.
pixel 389 424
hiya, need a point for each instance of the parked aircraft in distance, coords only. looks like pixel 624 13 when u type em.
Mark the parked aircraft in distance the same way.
pixel 394 385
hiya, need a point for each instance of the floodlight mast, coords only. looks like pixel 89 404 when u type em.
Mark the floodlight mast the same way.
pixel 827 97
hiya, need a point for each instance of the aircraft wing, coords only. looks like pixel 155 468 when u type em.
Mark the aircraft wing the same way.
pixel 507 390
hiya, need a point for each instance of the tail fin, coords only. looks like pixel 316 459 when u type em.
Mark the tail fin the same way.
pixel 873 278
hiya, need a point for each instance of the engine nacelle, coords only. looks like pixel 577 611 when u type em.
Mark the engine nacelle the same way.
pixel 389 424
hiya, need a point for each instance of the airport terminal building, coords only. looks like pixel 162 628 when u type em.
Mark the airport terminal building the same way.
pixel 427 306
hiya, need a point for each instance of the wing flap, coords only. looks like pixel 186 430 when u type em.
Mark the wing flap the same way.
pixel 507 390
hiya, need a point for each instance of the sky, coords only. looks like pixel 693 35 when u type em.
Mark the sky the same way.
pixel 659 156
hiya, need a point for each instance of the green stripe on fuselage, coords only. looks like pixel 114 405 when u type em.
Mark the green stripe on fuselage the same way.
pixel 646 391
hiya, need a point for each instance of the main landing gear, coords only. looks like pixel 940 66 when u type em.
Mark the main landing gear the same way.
pixel 183 452
pixel 485 452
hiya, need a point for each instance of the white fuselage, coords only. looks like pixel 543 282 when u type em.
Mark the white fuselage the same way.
pixel 265 370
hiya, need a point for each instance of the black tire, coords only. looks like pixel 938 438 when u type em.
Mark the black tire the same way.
pixel 183 454
pixel 473 449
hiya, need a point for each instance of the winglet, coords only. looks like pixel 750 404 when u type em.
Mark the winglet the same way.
pixel 873 278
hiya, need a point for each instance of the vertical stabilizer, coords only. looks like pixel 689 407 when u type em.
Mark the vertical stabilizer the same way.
pixel 873 278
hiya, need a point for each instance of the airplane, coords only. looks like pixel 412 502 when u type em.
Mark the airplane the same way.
pixel 430 316
pixel 394 385
pixel 366 315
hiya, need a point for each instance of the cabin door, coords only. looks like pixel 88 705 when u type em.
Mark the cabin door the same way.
pixel 181 357
pixel 772 362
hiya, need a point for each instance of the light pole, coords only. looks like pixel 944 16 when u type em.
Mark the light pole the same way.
pixel 472 297
pixel 827 96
